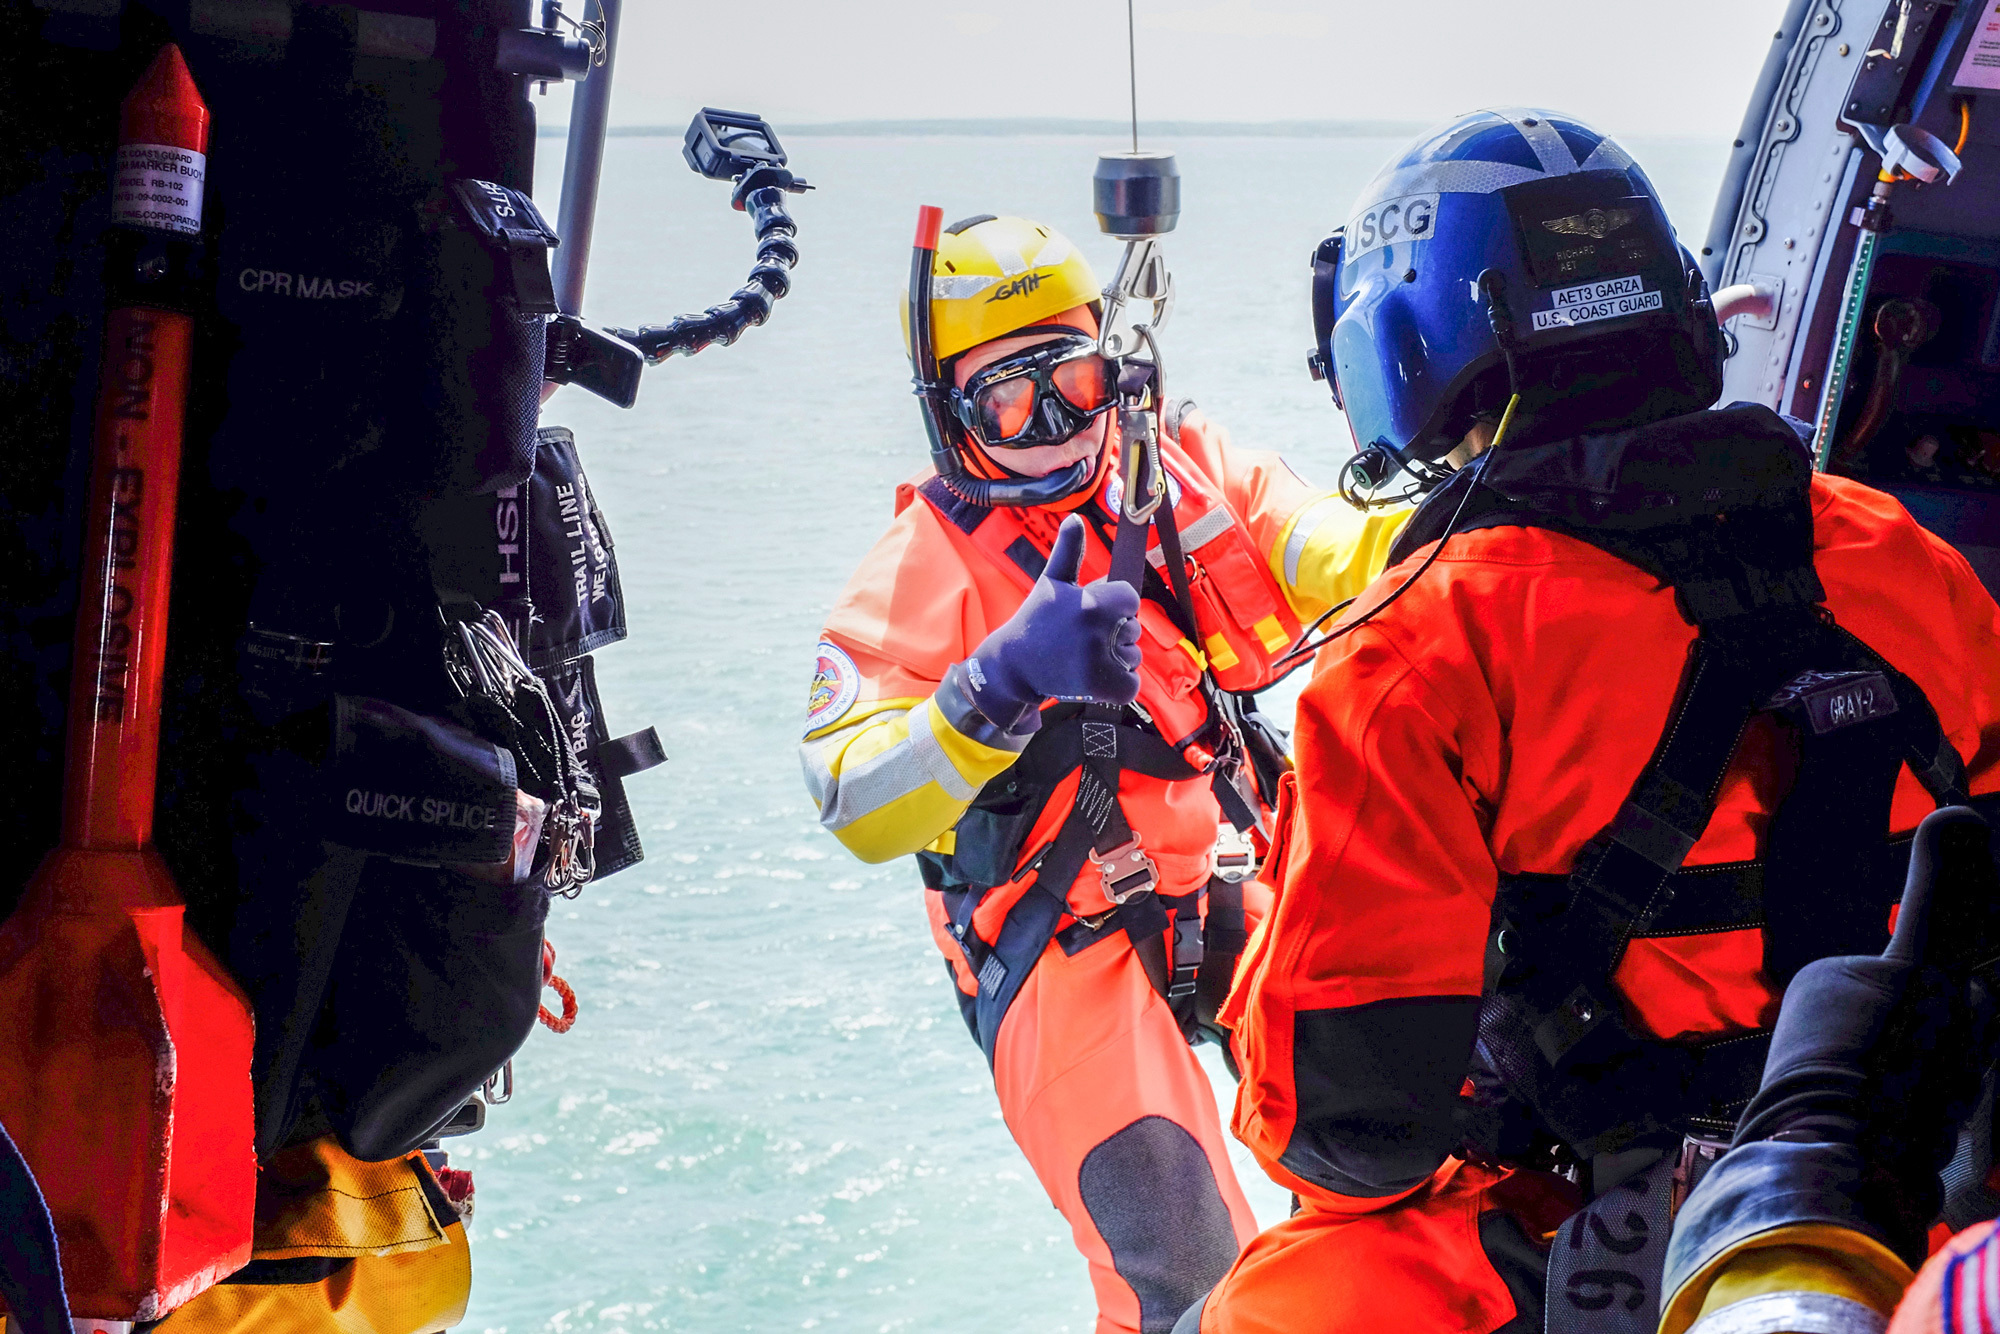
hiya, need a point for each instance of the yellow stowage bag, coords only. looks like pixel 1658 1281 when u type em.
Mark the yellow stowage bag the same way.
pixel 408 1268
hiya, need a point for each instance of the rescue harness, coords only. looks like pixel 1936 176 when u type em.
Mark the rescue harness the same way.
pixel 1208 734
pixel 1716 506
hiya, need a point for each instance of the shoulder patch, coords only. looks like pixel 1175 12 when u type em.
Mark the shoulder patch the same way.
pixel 836 684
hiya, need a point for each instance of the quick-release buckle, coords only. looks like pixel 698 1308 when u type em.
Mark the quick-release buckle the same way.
pixel 1128 872
pixel 1235 854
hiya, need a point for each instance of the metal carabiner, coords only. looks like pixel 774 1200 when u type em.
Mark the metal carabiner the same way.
pixel 499 1086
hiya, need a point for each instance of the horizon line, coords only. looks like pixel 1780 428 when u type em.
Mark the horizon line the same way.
pixel 1015 125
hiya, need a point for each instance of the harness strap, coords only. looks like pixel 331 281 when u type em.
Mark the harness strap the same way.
pixel 1096 829
pixel 1762 645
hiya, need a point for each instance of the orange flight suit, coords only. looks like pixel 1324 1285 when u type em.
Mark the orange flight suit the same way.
pixel 1488 723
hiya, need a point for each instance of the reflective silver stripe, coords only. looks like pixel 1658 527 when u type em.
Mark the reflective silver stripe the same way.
pixel 865 788
pixel 1462 178
pixel 1793 1313
pixel 1054 251
pixel 819 778
pixel 959 287
pixel 1308 522
pixel 1556 158
pixel 1607 156
pixel 1009 260
pixel 1199 533
pixel 924 745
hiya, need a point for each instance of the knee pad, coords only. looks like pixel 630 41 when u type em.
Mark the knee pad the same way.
pixel 1154 1199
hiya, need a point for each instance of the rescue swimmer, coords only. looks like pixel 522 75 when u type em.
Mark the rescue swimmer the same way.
pixel 1067 759
pixel 1616 747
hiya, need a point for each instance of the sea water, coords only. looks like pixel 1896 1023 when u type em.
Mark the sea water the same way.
pixel 769 1115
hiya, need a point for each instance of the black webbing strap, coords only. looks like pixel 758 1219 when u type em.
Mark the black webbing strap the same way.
pixel 1620 881
pixel 1598 1083
pixel 1029 926
pixel 1096 822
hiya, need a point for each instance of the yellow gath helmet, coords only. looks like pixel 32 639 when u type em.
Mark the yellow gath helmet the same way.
pixel 987 277
pixel 994 275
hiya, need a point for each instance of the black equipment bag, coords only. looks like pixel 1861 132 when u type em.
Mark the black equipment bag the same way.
pixel 368 365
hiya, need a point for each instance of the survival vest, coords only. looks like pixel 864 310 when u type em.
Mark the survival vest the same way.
pixel 1185 724
pixel 1244 622
pixel 1716 506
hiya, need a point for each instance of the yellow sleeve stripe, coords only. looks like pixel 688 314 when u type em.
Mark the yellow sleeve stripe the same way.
pixel 973 761
pixel 897 779
pixel 1816 1258
pixel 861 712
pixel 1328 552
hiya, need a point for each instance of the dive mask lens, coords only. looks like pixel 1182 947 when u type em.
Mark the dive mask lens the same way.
pixel 1039 397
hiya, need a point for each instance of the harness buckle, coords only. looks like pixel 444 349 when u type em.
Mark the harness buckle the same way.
pixel 1698 1153
pixel 1128 872
pixel 1235 854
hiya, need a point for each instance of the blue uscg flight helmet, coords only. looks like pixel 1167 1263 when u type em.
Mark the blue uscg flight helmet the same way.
pixel 1510 251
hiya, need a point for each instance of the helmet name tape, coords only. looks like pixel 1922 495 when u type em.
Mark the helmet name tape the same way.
pixel 1388 221
pixel 1590 302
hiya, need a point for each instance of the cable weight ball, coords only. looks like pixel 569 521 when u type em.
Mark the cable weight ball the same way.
pixel 1136 195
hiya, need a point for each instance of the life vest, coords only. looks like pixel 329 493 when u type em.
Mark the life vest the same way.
pixel 1715 505
pixel 1244 622
pixel 1190 730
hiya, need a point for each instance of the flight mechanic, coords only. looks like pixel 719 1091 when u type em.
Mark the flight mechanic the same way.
pixel 1066 758
pixel 1634 730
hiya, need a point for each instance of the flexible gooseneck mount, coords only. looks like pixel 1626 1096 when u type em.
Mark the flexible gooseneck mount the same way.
pixel 733 145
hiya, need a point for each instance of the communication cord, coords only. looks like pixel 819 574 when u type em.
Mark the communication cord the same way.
pixel 1307 646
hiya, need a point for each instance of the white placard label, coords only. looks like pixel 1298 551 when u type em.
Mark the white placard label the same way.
pixel 1588 302
pixel 1390 222
pixel 158 186
pixel 1981 66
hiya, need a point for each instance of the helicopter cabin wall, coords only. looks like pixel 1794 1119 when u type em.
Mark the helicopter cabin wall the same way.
pixel 1918 406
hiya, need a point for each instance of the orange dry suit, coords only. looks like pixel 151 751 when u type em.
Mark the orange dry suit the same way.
pixel 1569 813
pixel 1066 991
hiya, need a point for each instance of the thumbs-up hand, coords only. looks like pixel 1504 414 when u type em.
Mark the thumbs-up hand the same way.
pixel 1065 642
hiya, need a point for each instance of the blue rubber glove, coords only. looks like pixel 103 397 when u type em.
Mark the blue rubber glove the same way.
pixel 1065 642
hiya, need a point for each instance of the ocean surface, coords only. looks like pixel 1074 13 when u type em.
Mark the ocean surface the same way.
pixel 769 1115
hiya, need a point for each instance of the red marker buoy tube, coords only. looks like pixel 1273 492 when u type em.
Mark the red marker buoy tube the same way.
pixel 125 1054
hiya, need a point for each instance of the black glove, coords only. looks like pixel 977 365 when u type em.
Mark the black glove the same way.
pixel 1880 1052
pixel 1873 1062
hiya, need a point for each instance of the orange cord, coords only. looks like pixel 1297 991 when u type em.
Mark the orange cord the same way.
pixel 567 1020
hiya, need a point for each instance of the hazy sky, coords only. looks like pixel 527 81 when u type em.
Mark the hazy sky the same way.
pixel 1632 66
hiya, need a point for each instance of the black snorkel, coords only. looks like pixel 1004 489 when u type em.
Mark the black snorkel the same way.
pixel 932 394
